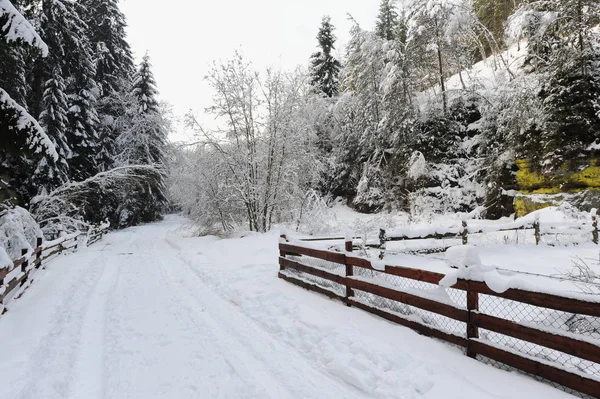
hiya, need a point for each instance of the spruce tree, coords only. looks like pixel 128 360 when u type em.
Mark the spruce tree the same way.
pixel 106 30
pixel 114 68
pixel 143 142
pixel 51 174
pixel 324 67
pixel 24 142
pixel 61 26
pixel 387 26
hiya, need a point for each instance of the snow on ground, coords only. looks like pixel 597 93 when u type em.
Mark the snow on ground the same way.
pixel 150 313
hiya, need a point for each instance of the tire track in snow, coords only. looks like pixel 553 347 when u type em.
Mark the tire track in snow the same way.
pixel 90 365
pixel 51 370
pixel 245 340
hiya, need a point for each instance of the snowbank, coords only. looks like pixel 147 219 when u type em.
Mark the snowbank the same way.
pixel 18 231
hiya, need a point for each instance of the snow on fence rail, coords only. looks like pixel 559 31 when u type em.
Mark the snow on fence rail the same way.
pixel 553 337
pixel 465 230
pixel 468 229
pixel 20 274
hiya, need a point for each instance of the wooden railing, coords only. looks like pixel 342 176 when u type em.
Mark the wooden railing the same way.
pixel 341 275
pixel 469 229
pixel 21 273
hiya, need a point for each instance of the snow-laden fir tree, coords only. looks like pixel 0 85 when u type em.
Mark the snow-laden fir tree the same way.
pixel 106 30
pixel 387 25
pixel 70 59
pixel 564 51
pixel 143 142
pixel 51 174
pixel 24 142
pixel 324 67
pixel 114 68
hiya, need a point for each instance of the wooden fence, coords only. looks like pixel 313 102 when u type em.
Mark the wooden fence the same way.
pixel 295 264
pixel 21 273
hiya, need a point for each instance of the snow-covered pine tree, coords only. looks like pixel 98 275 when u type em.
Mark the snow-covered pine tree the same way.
pixel 143 142
pixel 427 27
pixel 387 23
pixel 51 174
pixel 21 133
pixel 106 30
pixel 324 67
pixel 70 63
pixel 565 52
pixel 114 68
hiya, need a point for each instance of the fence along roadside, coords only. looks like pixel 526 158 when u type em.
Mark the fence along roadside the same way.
pixel 349 284
pixel 31 261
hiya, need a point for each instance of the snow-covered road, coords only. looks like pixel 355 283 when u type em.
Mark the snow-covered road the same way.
pixel 148 313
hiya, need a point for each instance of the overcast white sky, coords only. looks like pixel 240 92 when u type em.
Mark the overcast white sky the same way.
pixel 183 37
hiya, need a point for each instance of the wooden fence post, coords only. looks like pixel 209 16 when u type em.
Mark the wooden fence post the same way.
pixel 281 253
pixel 38 256
pixel 382 243
pixel 537 233
pixel 465 233
pixel 24 265
pixel 2 307
pixel 595 228
pixel 349 272
pixel 472 329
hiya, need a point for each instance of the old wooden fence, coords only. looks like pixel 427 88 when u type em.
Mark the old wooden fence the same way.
pixel 468 229
pixel 20 275
pixel 553 337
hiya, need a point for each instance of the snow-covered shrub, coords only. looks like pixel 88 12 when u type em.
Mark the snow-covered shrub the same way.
pixel 124 196
pixel 255 170
pixel 18 231
pixel 370 193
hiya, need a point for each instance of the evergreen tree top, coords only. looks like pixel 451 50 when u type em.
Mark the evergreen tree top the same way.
pixel 386 26
pixel 144 87
pixel 326 37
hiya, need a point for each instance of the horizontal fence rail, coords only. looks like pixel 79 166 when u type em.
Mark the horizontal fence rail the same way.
pixel 20 274
pixel 549 336
pixel 468 229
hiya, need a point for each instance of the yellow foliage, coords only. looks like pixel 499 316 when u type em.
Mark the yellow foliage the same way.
pixel 532 183
pixel 524 206
pixel 589 177
pixel 526 179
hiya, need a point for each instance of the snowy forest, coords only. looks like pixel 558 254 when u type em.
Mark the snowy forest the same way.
pixel 83 135
pixel 485 107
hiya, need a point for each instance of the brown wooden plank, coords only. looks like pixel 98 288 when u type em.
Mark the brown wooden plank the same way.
pixel 52 254
pixel 4 272
pixel 311 287
pixel 330 256
pixel 537 299
pixel 436 236
pixel 290 264
pixel 400 271
pixel 572 346
pixel 410 299
pixel 562 377
pixel 18 262
pixel 12 285
pixel 425 330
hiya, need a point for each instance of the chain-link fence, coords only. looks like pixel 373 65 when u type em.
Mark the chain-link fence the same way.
pixel 332 267
pixel 411 286
pixel 549 320
pixel 579 327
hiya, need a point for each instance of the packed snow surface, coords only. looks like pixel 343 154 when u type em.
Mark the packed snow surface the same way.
pixel 150 313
